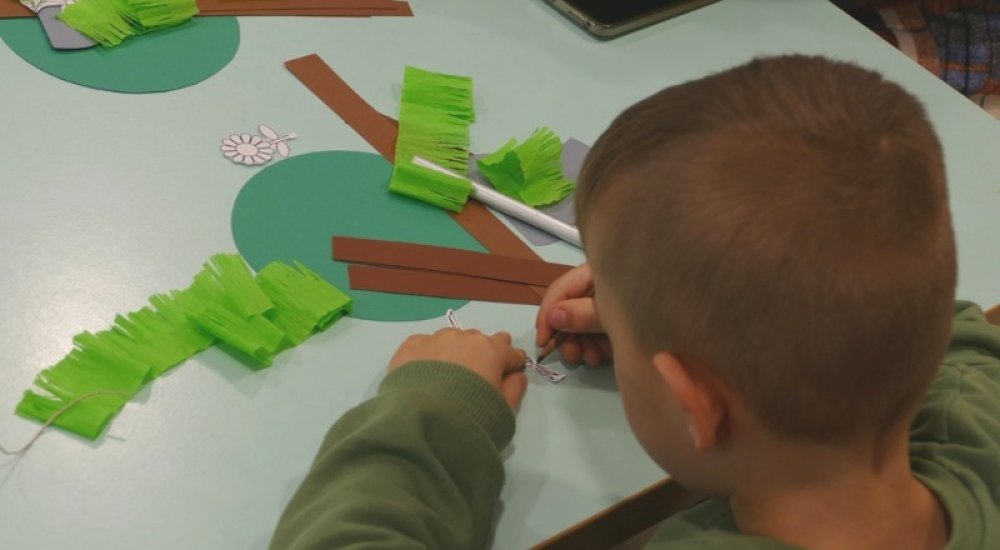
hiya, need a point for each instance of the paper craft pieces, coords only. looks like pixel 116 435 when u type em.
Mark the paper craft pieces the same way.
pixel 109 22
pixel 256 150
pixel 574 152
pixel 377 129
pixel 255 317
pixel 446 260
pixel 529 363
pixel 381 131
pixel 438 284
pixel 435 113
pixel 60 35
pixel 531 172
pixel 424 270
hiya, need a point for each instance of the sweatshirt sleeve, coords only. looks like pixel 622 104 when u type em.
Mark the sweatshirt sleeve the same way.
pixel 417 466
pixel 956 434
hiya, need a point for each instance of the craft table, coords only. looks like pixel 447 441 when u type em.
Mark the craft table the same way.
pixel 107 198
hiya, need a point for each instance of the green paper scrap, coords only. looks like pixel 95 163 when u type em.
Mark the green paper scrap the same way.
pixel 435 112
pixel 304 302
pixel 224 304
pixel 530 172
pixel 430 186
pixel 111 22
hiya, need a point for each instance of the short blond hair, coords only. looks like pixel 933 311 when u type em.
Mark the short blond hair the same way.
pixel 785 225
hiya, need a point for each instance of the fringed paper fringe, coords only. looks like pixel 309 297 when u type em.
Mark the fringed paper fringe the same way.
pixel 530 172
pixel 111 22
pixel 435 113
pixel 257 317
pixel 430 186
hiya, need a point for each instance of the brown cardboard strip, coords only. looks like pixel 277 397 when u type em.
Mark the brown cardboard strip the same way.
pixel 376 129
pixel 446 260
pixel 370 124
pixel 442 285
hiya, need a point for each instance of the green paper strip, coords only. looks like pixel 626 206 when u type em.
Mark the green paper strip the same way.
pixel 530 172
pixel 225 302
pixel 435 113
pixel 304 301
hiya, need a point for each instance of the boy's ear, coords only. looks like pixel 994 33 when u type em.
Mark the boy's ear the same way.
pixel 703 404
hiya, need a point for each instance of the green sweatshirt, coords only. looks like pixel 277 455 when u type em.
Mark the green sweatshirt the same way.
pixel 418 466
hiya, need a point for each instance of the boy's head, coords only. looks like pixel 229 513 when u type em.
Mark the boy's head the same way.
pixel 780 231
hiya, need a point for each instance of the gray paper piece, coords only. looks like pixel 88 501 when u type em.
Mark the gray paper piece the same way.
pixel 573 154
pixel 61 36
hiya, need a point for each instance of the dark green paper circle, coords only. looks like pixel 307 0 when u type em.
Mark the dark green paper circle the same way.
pixel 291 210
pixel 160 61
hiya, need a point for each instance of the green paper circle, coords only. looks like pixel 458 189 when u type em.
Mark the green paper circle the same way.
pixel 160 61
pixel 291 210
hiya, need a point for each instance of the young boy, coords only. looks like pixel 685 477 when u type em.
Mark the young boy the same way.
pixel 772 255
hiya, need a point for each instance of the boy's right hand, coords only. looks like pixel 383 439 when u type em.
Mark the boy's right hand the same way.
pixel 568 307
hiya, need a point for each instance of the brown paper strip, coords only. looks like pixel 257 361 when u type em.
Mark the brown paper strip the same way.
pixel 372 125
pixel 446 260
pixel 13 8
pixel 442 285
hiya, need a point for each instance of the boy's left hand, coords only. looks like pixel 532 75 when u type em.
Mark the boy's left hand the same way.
pixel 490 356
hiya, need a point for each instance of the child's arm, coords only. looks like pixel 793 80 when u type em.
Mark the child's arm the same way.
pixel 418 466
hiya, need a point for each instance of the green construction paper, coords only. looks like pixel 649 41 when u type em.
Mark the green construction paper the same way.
pixel 430 186
pixel 225 302
pixel 290 210
pixel 303 301
pixel 157 62
pixel 530 172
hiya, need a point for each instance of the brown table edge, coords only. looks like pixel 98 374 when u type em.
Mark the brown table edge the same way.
pixel 622 521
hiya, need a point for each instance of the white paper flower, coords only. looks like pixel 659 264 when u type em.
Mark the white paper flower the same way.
pixel 247 149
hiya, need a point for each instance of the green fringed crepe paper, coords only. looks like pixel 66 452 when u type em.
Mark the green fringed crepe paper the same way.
pixel 110 22
pixel 530 172
pixel 435 113
pixel 430 186
pixel 257 317
pixel 303 301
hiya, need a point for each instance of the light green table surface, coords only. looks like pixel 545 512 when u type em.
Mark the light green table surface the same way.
pixel 107 198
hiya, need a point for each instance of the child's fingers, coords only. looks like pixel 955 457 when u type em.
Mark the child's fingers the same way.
pixel 513 388
pixel 575 283
pixel 592 354
pixel 575 315
pixel 571 350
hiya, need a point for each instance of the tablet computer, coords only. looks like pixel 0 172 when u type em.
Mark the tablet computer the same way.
pixel 610 18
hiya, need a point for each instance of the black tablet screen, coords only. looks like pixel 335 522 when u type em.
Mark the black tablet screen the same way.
pixel 610 12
